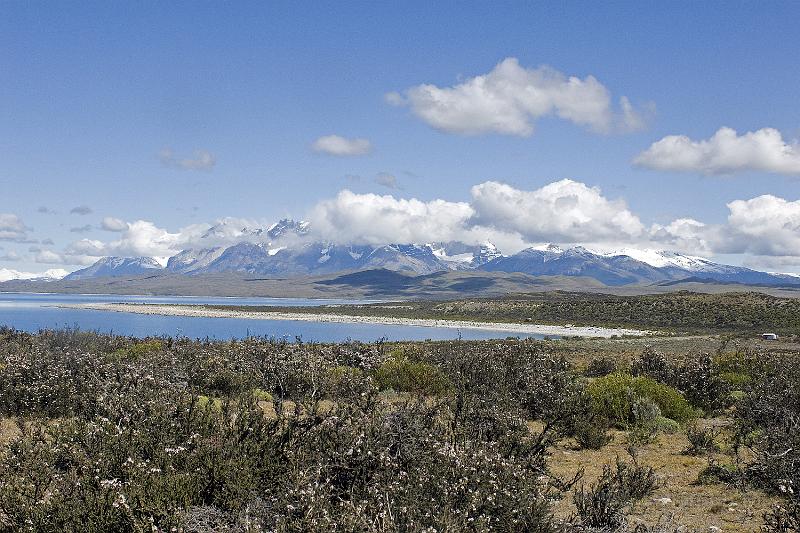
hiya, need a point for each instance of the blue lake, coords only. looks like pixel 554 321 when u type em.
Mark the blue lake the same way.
pixel 32 312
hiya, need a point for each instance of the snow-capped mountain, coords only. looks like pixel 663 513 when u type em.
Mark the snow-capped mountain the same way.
pixel 629 266
pixel 117 266
pixel 7 274
pixel 577 261
pixel 192 260
pixel 663 258
pixel 286 249
pixel 287 227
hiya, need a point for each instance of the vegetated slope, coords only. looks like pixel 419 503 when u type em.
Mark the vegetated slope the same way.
pixel 681 311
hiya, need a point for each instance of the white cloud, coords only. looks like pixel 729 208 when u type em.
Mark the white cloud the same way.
pixel 201 160
pixel 684 234
pixel 49 257
pixel 765 225
pixel 563 211
pixel 141 238
pixel 81 229
pixel 12 228
pixel 114 224
pixel 144 238
pixel 341 146
pixel 726 152
pixel 373 219
pixel 509 99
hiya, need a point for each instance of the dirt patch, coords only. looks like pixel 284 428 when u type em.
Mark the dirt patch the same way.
pixel 680 499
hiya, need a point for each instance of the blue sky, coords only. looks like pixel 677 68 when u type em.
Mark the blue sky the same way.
pixel 104 104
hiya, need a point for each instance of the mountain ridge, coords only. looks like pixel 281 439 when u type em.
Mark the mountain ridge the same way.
pixel 285 249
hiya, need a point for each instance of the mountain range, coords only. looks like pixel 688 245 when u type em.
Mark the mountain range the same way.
pixel 284 250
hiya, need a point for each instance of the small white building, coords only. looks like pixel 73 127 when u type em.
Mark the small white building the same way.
pixel 769 336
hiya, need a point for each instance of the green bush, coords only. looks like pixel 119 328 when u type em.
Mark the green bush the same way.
pixel 403 375
pixel 613 397
pixel 138 350
pixel 736 380
pixel 667 425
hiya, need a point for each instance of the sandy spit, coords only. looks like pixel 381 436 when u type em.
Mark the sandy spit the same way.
pixel 200 311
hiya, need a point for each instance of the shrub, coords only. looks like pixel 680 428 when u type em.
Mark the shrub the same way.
pixel 699 380
pixel 602 505
pixel 613 397
pixel 138 350
pixel 768 421
pixel 783 518
pixel 646 415
pixel 653 365
pixel 591 434
pixel 347 382
pixel 736 380
pixel 717 473
pixel 701 440
pixel 402 375
pixel 667 425
pixel 600 366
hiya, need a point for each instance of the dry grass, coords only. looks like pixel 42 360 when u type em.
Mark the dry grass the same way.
pixel 8 430
pixel 692 505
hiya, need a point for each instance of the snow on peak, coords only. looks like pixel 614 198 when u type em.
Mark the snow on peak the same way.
pixel 549 247
pixel 7 274
pixel 663 258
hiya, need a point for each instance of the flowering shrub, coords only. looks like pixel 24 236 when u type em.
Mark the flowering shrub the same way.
pixel 769 423
pixel 699 378
pixel 602 505
pixel 256 435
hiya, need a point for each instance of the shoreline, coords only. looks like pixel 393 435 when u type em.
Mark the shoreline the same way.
pixel 203 312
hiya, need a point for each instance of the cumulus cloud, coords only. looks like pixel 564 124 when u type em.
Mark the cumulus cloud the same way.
pixel 49 257
pixel 12 228
pixel 141 238
pixel 45 210
pixel 341 146
pixel 765 225
pixel 509 99
pixel 201 160
pixel 686 235
pixel 114 224
pixel 144 238
pixel 726 152
pixel 373 219
pixel 81 210
pixel 563 211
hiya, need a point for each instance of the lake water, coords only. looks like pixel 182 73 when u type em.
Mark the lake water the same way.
pixel 32 312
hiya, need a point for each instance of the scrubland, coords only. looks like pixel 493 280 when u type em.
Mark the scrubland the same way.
pixel 108 433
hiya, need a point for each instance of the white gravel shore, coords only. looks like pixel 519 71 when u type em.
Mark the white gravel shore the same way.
pixel 200 311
